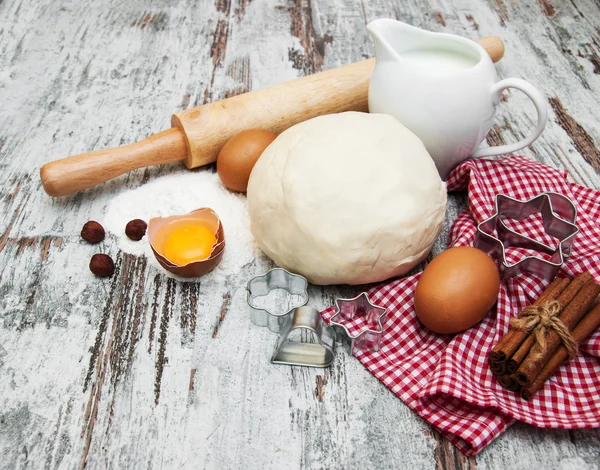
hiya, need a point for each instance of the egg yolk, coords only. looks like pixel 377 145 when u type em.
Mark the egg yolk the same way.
pixel 190 243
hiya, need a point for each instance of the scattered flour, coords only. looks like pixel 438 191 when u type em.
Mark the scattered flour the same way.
pixel 181 193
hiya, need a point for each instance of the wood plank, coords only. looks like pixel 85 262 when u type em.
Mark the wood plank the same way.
pixel 143 371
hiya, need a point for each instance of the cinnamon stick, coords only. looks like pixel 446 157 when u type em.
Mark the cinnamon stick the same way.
pixel 584 328
pixel 577 308
pixel 511 341
pixel 497 368
pixel 565 297
pixel 509 383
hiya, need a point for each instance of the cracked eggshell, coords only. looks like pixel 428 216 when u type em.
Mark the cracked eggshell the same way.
pixel 159 229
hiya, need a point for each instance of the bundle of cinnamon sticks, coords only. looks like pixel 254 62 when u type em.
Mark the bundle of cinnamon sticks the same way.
pixel 523 360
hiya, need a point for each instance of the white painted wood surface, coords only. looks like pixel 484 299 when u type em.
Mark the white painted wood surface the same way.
pixel 100 372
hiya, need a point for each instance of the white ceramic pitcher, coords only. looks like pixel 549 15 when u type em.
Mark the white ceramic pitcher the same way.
pixel 444 89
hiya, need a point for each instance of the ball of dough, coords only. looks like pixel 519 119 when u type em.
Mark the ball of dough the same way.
pixel 348 198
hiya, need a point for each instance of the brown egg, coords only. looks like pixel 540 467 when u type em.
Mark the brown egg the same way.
pixel 238 156
pixel 456 290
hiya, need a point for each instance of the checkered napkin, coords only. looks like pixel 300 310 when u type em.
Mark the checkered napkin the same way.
pixel 446 379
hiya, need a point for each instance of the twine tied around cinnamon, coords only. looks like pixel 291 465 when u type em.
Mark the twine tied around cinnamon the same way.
pixel 541 319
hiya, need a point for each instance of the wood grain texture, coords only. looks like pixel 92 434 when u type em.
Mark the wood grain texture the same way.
pixel 72 174
pixel 142 371
pixel 199 134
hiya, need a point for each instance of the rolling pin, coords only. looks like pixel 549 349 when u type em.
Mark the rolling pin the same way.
pixel 197 134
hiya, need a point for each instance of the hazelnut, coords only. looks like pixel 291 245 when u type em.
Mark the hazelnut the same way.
pixel 136 229
pixel 102 265
pixel 92 232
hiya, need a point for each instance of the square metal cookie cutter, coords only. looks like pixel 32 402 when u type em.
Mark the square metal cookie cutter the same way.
pixel 559 215
pixel 260 286
pixel 317 354
pixel 347 311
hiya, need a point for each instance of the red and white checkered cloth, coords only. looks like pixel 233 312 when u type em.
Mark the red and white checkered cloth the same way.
pixel 446 379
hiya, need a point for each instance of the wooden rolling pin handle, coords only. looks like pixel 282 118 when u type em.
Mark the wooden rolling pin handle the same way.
pixel 493 46
pixel 198 134
pixel 83 171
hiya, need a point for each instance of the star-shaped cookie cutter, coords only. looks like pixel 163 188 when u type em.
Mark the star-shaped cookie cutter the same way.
pixel 559 215
pixel 368 338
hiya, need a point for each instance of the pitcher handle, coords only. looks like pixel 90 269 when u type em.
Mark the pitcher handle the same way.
pixel 542 116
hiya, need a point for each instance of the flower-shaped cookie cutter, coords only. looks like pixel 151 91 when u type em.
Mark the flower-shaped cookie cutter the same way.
pixel 277 278
pixel 559 215
pixel 359 309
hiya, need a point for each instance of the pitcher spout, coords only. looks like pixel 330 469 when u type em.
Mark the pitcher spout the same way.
pixel 391 37
pixel 378 29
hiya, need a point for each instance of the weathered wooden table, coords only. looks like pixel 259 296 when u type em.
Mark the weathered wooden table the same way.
pixel 141 371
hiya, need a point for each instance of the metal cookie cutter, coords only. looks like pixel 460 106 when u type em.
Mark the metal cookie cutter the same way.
pixel 359 309
pixel 299 317
pixel 317 354
pixel 559 215
pixel 261 286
